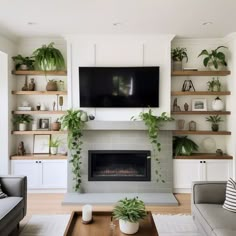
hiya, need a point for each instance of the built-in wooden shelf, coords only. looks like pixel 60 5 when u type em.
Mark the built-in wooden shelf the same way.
pixel 37 72
pixel 200 113
pixel 200 156
pixel 39 132
pixel 200 73
pixel 181 93
pixel 39 156
pixel 200 132
pixel 39 112
pixel 39 92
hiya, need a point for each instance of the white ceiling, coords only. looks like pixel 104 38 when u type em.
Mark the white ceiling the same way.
pixel 183 18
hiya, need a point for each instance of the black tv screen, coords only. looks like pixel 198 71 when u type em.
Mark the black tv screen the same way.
pixel 119 86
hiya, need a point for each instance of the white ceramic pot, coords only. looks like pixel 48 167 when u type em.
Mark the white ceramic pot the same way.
pixel 53 150
pixel 127 227
pixel 22 126
pixel 217 104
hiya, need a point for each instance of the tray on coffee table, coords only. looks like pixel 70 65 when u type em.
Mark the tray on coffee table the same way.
pixel 101 225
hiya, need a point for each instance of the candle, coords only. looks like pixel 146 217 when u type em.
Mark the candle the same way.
pixel 87 213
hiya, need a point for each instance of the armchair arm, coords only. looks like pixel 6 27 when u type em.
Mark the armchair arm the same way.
pixel 211 192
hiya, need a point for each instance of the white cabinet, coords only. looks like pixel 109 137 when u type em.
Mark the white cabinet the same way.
pixel 187 171
pixel 42 174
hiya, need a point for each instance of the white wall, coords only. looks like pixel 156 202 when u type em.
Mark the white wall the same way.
pixel 119 50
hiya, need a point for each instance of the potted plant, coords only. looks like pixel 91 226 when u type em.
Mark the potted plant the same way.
pixel 214 85
pixel 177 56
pixel 74 122
pixel 129 212
pixel 215 120
pixel 48 58
pixel 56 125
pixel 54 144
pixel 154 124
pixel 23 63
pixel 51 85
pixel 183 146
pixel 22 121
pixel 214 59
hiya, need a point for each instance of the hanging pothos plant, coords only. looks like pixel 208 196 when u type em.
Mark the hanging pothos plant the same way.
pixel 154 124
pixel 74 121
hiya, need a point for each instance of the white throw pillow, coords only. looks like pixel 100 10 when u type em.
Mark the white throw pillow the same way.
pixel 230 197
pixel 2 194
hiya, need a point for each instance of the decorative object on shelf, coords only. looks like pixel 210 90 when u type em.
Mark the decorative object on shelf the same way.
pixel 44 124
pixel 22 121
pixel 175 105
pixel 25 87
pixel 188 85
pixel 61 85
pixel 214 59
pixel 180 124
pixel 215 120
pixel 91 117
pixel 61 101
pixel 87 216
pixel 153 124
pixel 186 106
pixel 219 152
pixel 48 58
pixel 31 86
pixel 192 126
pixel 217 104
pixel 74 125
pixel 54 144
pixel 34 126
pixel 42 107
pixel 51 85
pixel 54 106
pixel 129 211
pixel 41 143
pixel 21 149
pixel 23 63
pixel 55 126
pixel 177 56
pixel 38 107
pixel 208 144
pixel 199 104
pixel 214 85
pixel 183 146
pixel 84 116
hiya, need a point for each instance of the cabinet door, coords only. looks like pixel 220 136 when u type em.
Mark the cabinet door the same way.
pixel 31 169
pixel 54 173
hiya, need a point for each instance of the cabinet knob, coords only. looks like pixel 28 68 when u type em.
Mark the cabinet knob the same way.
pixel 40 161
pixel 36 161
pixel 200 161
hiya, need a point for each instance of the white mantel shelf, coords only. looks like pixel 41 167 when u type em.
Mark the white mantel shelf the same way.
pixel 123 125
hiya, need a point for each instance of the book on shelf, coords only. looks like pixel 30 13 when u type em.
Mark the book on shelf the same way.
pixel 24 108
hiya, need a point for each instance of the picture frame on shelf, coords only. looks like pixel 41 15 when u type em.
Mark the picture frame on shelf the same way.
pixel 199 104
pixel 43 123
pixel 41 143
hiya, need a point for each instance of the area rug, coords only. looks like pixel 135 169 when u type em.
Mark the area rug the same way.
pixel 55 225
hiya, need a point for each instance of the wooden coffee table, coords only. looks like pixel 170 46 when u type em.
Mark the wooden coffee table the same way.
pixel 101 226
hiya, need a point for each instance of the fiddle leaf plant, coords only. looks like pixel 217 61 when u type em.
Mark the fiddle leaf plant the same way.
pixel 74 122
pixel 154 124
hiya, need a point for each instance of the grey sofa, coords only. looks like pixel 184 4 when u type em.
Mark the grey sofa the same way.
pixel 13 207
pixel 208 213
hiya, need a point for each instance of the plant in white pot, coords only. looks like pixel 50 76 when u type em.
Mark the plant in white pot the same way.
pixel 22 121
pixel 129 212
pixel 54 144
pixel 177 55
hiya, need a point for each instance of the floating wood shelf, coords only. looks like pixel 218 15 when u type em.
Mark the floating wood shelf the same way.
pixel 205 156
pixel 39 156
pixel 200 73
pixel 39 112
pixel 37 72
pixel 200 113
pixel 200 132
pixel 181 93
pixel 39 92
pixel 39 132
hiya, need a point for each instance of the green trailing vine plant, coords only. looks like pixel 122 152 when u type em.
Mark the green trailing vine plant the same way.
pixel 74 121
pixel 154 124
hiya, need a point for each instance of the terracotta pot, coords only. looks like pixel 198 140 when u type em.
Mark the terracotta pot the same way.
pixel 51 86
pixel 55 126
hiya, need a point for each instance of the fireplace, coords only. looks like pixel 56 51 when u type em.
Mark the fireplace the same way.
pixel 119 165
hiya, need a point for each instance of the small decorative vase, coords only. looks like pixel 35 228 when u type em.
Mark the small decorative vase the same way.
pixel 217 104
pixel 55 126
pixel 192 125
pixel 53 150
pixel 84 116
pixel 127 227
pixel 22 126
pixel 51 86
pixel 215 127
pixel 186 106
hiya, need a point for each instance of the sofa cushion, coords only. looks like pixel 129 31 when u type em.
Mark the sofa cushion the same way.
pixel 2 194
pixel 10 208
pixel 216 219
pixel 230 196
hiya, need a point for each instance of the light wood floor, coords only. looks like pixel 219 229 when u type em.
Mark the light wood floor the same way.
pixel 45 204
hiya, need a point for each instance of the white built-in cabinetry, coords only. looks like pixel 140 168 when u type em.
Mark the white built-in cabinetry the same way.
pixel 42 174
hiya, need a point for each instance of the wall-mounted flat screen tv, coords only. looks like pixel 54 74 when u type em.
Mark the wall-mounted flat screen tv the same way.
pixel 119 86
